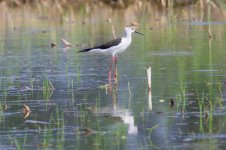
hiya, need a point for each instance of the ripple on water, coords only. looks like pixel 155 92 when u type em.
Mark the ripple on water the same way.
pixel 182 53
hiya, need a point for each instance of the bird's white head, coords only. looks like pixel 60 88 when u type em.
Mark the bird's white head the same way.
pixel 130 30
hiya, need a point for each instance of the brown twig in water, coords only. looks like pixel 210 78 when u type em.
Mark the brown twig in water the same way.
pixel 66 43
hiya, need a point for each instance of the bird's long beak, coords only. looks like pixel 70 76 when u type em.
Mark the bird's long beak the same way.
pixel 139 33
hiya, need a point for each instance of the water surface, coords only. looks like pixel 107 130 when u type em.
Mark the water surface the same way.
pixel 85 111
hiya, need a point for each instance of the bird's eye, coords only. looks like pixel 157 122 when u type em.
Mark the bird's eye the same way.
pixel 132 28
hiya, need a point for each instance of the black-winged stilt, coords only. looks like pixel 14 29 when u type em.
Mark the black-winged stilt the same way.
pixel 115 46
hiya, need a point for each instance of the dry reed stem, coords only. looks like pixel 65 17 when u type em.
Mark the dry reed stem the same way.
pixel 149 78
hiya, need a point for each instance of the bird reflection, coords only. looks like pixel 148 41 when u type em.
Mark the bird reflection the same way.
pixel 113 88
pixel 117 111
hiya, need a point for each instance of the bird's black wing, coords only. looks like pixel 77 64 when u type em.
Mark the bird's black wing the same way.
pixel 104 46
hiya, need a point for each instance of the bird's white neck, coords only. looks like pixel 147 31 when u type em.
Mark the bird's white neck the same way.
pixel 128 35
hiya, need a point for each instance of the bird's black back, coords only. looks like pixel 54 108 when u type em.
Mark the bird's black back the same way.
pixel 104 46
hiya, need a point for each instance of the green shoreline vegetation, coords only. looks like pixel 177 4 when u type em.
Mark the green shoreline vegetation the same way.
pixel 153 14
pixel 153 9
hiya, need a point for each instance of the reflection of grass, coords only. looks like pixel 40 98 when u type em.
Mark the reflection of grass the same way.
pixel 151 129
pixel 1 82
pixel 220 98
pixel 56 122
pixel 1 113
pixel 201 108
pixel 32 80
pixel 211 106
pixel 120 135
pixel 208 102
pixel 47 137
pixel 47 87
pixel 78 75
pixel 181 98
pixel 60 132
pixel 72 91
pixel 183 94
pixel 18 142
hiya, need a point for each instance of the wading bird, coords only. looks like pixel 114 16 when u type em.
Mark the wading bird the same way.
pixel 114 47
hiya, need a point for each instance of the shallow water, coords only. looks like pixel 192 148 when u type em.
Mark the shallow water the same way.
pixel 84 111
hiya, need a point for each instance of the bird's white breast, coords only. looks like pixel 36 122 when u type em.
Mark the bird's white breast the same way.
pixel 122 46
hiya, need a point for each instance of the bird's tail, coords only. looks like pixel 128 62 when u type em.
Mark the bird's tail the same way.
pixel 84 50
